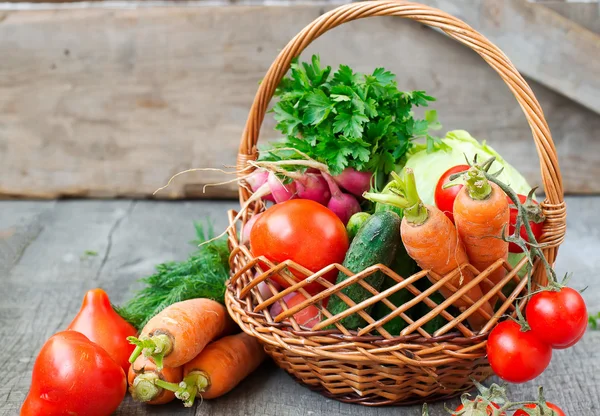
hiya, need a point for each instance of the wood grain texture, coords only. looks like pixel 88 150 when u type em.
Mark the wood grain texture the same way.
pixel 43 245
pixel 113 102
pixel 586 14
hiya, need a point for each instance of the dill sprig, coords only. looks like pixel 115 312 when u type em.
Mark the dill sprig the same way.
pixel 202 275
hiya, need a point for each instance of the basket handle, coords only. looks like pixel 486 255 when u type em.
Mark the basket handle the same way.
pixel 554 206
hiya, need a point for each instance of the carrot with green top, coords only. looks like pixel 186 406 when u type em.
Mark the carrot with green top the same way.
pixel 220 367
pixel 431 240
pixel 141 377
pixel 481 213
pixel 180 331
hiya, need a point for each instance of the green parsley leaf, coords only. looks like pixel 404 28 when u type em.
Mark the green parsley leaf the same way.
pixel 348 119
pixel 350 125
pixel 318 108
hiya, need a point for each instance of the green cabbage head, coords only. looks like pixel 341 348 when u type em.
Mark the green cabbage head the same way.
pixel 429 166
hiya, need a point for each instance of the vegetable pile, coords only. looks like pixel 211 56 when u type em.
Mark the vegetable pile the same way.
pixel 173 340
pixel 349 183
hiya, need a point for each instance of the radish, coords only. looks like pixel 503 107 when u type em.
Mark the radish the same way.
pixel 276 308
pixel 343 205
pixel 354 181
pixel 280 191
pixel 314 187
pixel 248 228
pixel 265 291
pixel 256 180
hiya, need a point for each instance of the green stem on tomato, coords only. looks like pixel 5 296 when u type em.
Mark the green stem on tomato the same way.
pixel 144 387
pixel 156 346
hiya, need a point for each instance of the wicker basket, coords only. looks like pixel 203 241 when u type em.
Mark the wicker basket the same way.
pixel 370 366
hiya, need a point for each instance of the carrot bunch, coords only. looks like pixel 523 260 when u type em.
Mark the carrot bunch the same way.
pixel 187 350
pixel 481 212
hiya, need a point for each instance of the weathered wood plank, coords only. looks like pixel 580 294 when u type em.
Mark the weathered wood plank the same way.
pixel 46 282
pixel 586 14
pixel 544 45
pixel 112 102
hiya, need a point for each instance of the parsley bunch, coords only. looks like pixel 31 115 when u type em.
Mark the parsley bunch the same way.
pixel 347 119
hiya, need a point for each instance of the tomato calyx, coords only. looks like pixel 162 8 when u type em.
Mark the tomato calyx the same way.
pixel 493 401
pixel 487 402
pixel 533 209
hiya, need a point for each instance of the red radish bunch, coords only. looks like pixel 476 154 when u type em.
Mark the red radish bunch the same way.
pixel 315 184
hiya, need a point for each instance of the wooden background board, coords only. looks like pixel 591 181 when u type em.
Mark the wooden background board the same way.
pixel 44 275
pixel 112 102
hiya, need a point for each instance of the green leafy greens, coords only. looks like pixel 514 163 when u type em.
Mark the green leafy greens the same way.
pixel 347 119
pixel 202 275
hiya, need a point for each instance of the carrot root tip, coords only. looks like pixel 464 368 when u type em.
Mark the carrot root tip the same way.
pixel 144 388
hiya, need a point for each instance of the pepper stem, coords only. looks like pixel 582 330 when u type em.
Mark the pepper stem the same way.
pixel 144 387
pixel 478 186
pixel 156 347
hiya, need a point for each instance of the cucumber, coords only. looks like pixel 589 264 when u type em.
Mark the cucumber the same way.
pixel 376 242
pixel 355 223
pixel 405 267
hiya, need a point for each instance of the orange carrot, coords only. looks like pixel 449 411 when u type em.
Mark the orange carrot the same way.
pixel 220 367
pixel 178 333
pixel 481 213
pixel 141 377
pixel 431 240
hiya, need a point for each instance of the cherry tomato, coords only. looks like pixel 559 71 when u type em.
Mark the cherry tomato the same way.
pixel 303 231
pixel 489 410
pixel 444 198
pixel 558 318
pixel 536 227
pixel 554 407
pixel 98 321
pixel 517 356
pixel 74 376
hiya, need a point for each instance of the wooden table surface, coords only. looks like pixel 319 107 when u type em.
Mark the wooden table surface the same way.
pixel 44 273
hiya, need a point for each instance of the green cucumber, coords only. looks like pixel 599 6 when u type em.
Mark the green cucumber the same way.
pixel 405 267
pixel 355 223
pixel 376 242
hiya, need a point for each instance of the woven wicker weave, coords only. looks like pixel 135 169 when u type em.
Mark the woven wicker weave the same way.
pixel 370 366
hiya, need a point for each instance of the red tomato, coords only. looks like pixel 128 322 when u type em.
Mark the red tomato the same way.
pixel 489 410
pixel 558 318
pixel 517 356
pixel 98 321
pixel 444 198
pixel 554 407
pixel 303 231
pixel 536 227
pixel 74 376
